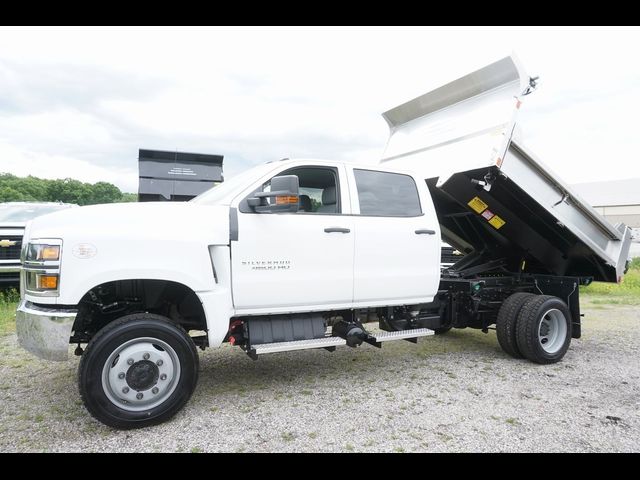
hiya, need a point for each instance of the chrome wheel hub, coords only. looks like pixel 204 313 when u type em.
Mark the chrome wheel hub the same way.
pixel 140 374
pixel 552 331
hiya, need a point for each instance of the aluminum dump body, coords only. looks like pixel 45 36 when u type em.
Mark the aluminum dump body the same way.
pixel 497 202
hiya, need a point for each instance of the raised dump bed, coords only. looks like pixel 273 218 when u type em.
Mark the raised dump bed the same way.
pixel 495 200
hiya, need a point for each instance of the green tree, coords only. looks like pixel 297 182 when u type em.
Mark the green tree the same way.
pixel 103 192
pixel 8 194
pixel 33 188
pixel 68 190
pixel 129 197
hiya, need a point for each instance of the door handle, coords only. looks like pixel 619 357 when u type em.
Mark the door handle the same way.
pixel 425 232
pixel 336 230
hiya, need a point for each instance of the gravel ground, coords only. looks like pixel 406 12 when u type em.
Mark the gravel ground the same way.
pixel 457 392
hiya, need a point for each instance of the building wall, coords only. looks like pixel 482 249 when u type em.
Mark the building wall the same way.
pixel 627 214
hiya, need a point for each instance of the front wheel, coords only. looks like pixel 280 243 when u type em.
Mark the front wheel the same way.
pixel 138 371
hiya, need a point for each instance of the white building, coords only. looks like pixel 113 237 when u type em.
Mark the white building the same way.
pixel 618 201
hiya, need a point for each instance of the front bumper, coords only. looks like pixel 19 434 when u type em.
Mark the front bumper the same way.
pixel 45 332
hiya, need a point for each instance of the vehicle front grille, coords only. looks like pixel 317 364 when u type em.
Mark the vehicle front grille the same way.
pixel 9 276
pixel 12 252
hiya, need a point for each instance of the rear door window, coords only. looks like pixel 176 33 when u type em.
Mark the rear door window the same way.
pixel 387 194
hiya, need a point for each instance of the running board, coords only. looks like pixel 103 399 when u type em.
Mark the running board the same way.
pixel 324 342
pixel 411 335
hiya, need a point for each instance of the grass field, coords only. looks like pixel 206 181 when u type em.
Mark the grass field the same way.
pixel 625 293
pixel 8 303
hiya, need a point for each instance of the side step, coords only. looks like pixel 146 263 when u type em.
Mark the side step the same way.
pixel 325 342
pixel 330 343
pixel 411 335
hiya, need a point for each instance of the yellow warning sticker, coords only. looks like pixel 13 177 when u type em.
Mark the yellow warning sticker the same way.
pixel 496 221
pixel 477 205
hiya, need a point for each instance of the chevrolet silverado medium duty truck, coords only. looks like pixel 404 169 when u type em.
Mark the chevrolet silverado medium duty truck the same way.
pixel 304 254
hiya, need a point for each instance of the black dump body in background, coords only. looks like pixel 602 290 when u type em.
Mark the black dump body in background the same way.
pixel 176 176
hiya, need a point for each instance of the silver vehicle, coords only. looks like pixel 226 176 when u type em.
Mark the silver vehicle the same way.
pixel 13 219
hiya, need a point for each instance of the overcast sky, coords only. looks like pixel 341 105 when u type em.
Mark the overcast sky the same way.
pixel 80 102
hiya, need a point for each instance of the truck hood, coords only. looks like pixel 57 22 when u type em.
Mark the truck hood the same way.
pixel 203 224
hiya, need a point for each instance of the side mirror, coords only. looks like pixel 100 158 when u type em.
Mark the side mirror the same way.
pixel 284 191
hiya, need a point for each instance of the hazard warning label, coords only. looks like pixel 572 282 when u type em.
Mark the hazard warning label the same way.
pixel 496 221
pixel 477 205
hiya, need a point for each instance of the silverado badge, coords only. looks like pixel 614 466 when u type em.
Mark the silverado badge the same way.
pixel 7 243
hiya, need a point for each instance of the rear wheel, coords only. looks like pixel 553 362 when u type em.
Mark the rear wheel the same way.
pixel 544 329
pixel 137 371
pixel 506 322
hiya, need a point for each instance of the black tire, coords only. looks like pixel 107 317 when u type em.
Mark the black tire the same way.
pixel 534 311
pixel 441 330
pixel 112 337
pixel 506 322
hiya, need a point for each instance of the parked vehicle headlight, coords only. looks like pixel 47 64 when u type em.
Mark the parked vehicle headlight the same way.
pixel 37 252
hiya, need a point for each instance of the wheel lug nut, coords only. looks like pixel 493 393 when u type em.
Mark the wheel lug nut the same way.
pixel 146 356
pixel 139 396
pixel 125 390
pixel 121 375
pixel 154 390
pixel 130 361
pixel 163 376
pixel 159 363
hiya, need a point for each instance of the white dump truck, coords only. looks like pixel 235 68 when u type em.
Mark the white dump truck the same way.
pixel 309 254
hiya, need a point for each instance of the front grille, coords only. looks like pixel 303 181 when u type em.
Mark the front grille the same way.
pixel 12 276
pixel 12 252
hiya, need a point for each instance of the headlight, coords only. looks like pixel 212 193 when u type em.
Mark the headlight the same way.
pixel 39 252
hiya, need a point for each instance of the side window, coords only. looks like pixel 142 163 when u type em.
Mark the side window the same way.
pixel 387 194
pixel 319 190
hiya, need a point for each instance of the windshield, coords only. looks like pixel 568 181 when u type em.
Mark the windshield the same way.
pixel 24 213
pixel 227 190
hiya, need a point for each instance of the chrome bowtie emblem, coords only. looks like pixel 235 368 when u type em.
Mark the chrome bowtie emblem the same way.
pixel 7 243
